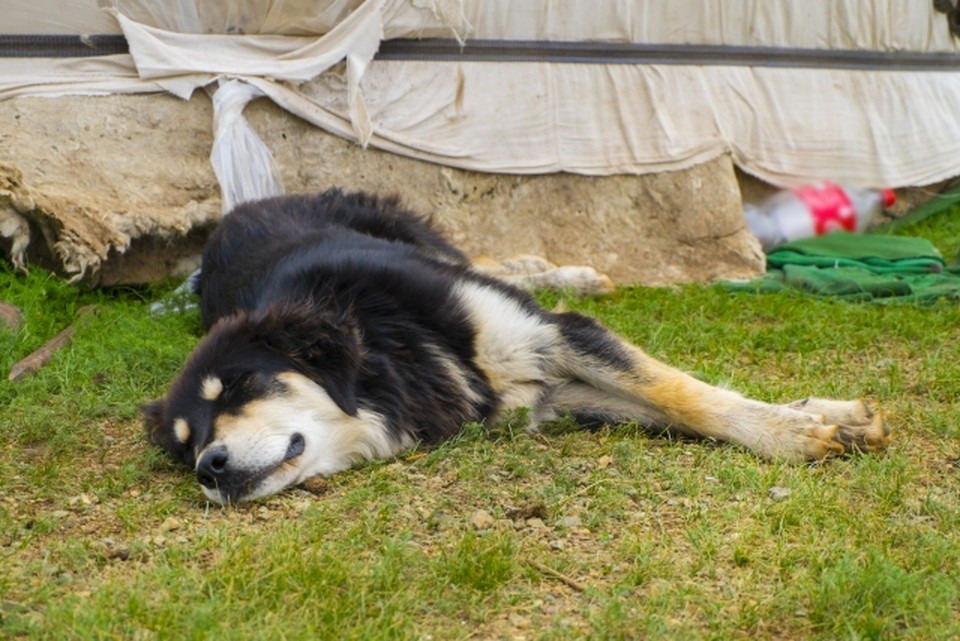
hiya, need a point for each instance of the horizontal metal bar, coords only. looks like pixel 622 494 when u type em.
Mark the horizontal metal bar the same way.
pixel 663 54
pixel 61 46
pixel 559 52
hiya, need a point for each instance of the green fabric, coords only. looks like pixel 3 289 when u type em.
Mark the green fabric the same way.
pixel 859 267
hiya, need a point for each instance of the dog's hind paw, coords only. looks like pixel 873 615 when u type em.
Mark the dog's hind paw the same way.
pixel 820 442
pixel 868 437
pixel 859 428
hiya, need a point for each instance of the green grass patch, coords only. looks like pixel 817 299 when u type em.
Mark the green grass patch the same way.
pixel 607 534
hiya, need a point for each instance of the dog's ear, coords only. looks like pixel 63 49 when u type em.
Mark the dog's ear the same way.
pixel 324 343
pixel 153 414
pixel 341 386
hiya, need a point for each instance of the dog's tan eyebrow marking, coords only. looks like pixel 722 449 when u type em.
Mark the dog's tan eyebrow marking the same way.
pixel 181 429
pixel 212 388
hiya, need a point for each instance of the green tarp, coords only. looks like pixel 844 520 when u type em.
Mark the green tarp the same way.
pixel 859 267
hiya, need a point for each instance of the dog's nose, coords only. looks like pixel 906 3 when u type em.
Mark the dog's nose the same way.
pixel 212 466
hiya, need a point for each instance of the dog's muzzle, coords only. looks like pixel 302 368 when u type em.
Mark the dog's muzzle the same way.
pixel 230 483
pixel 212 467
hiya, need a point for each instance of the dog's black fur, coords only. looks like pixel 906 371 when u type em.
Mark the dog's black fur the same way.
pixel 343 327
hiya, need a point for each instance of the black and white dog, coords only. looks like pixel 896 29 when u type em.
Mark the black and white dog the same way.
pixel 343 328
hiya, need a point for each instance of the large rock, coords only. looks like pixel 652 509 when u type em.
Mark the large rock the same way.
pixel 119 189
pixel 115 189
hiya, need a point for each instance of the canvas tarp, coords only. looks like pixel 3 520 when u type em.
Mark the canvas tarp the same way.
pixel 316 58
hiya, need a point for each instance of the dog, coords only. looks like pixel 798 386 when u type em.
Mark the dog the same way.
pixel 342 328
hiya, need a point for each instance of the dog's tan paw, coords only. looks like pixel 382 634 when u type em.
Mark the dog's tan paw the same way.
pixel 860 429
pixel 874 436
pixel 821 442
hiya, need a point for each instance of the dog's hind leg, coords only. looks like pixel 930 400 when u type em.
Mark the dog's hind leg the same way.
pixel 615 378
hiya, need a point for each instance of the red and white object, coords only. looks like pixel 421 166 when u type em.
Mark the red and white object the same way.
pixel 814 210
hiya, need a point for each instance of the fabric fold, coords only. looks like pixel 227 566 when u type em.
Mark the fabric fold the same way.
pixel 865 267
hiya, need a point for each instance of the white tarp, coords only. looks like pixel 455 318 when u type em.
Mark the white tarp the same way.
pixel 315 58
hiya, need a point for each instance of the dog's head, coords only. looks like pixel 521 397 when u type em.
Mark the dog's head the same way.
pixel 265 401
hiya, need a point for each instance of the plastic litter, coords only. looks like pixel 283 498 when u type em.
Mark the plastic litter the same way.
pixel 814 210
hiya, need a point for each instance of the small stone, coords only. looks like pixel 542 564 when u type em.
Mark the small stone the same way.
pixel 604 462
pixel 301 506
pixel 119 553
pixel 170 524
pixel 536 524
pixel 778 493
pixel 557 544
pixel 482 520
pixel 571 522
pixel 519 621
pixel 11 606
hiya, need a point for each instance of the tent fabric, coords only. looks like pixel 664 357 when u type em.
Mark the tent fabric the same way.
pixel 891 25
pixel 317 59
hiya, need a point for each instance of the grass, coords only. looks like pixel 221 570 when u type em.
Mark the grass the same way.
pixel 608 535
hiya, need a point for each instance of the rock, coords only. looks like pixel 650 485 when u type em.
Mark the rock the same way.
pixel 118 217
pixel 653 229
pixel 482 520
pixel 571 522
pixel 604 462
pixel 118 552
pixel 778 493
pixel 10 316
pixel 301 506
pixel 519 621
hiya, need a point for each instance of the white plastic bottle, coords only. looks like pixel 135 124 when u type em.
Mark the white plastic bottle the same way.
pixel 814 210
